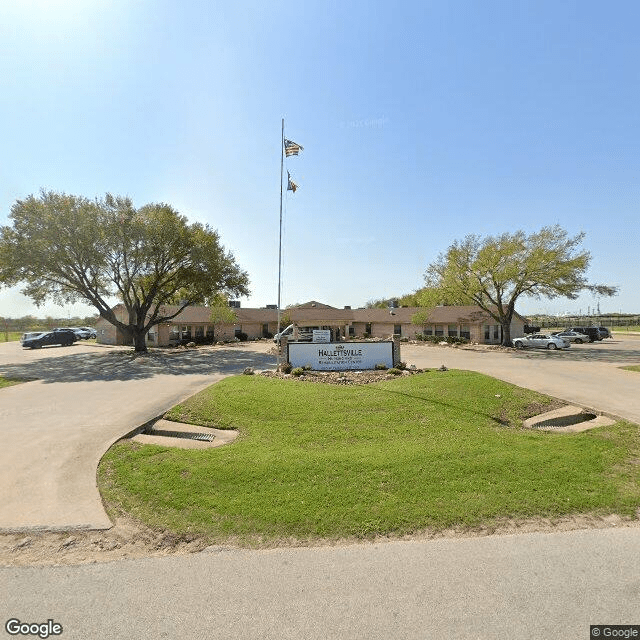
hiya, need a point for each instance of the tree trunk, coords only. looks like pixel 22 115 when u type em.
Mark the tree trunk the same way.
pixel 506 335
pixel 139 342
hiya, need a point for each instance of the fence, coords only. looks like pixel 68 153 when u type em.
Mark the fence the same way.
pixel 610 321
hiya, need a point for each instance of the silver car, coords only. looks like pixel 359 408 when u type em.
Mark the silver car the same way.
pixel 541 341
pixel 573 336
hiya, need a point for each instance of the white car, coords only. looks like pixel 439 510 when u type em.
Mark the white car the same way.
pixel 284 333
pixel 541 341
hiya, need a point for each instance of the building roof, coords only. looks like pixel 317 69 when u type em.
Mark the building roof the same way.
pixel 312 304
pixel 438 315
pixel 203 314
pixel 316 313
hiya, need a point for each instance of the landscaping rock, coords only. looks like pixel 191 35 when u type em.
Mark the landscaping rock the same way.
pixel 340 377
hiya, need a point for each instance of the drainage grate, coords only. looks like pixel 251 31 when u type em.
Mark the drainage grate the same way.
pixel 188 435
pixel 564 421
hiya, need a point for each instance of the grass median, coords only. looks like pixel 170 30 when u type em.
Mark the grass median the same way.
pixel 7 382
pixel 318 461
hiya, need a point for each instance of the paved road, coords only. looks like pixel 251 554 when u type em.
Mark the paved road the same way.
pixel 56 429
pixel 524 587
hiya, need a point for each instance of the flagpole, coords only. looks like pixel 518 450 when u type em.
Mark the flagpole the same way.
pixel 279 345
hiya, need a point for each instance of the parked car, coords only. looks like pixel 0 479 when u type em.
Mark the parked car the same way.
pixel 541 341
pixel 572 336
pixel 605 332
pixel 81 332
pixel 30 335
pixel 531 329
pixel 70 333
pixel 593 332
pixel 63 338
pixel 288 332
pixel 92 332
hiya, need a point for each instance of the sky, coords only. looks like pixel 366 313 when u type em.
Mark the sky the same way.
pixel 421 122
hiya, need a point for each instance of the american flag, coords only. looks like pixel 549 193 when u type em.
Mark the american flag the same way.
pixel 291 148
pixel 291 185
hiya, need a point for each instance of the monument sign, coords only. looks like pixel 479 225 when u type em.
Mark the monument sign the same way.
pixel 340 356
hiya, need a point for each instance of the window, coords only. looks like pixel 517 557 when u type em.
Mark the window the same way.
pixel 439 330
pixel 174 332
pixel 186 332
pixel 367 328
pixel 397 329
pixel 428 331
pixel 352 332
pixel 496 332
pixel 209 331
pixel 465 331
pixel 200 331
pixel 452 330
pixel 487 332
pixel 265 330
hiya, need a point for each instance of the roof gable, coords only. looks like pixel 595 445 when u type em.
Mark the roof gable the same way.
pixel 312 304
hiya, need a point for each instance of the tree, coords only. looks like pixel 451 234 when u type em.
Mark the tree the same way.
pixel 69 248
pixel 493 272
pixel 221 312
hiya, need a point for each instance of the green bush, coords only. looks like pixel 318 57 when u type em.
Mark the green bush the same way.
pixel 381 366
pixel 395 372
pixel 286 367
pixel 298 371
pixel 439 339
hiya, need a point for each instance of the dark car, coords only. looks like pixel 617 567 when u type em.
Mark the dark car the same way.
pixel 61 337
pixel 605 332
pixel 593 332
pixel 68 331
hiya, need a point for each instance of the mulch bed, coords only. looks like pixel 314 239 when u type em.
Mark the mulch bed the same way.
pixel 342 377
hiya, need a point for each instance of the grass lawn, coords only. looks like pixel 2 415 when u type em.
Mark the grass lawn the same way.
pixel 7 382
pixel 632 367
pixel 10 336
pixel 429 451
